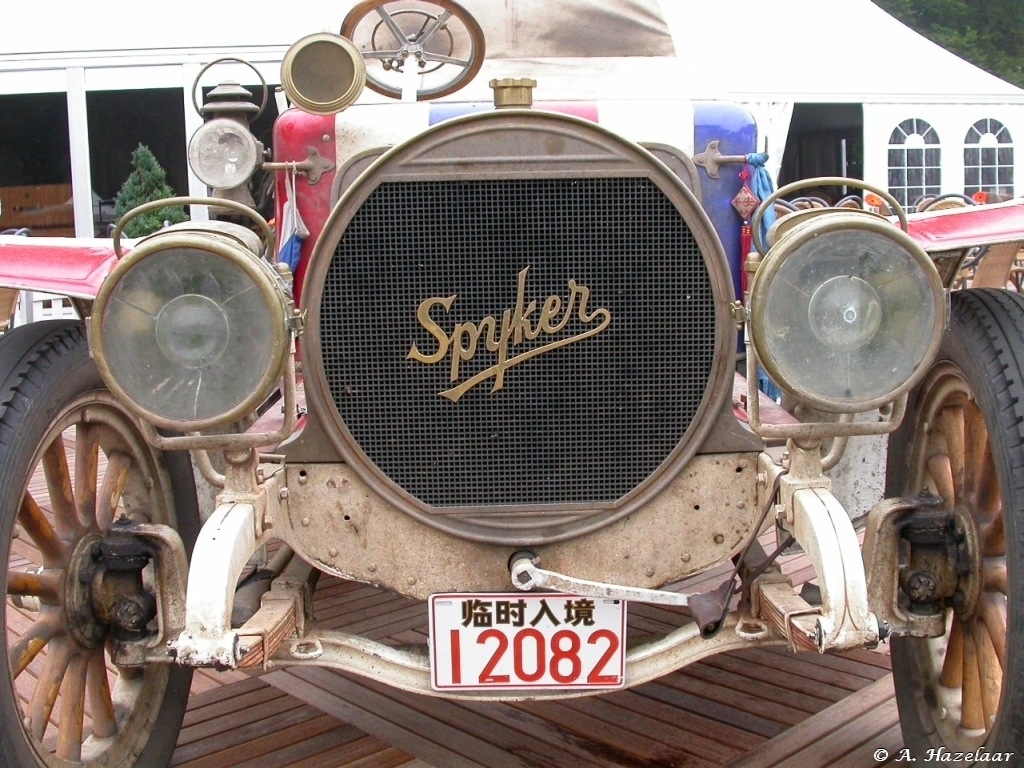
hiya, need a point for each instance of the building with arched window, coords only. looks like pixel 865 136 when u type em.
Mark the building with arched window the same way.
pixel 915 161
pixel 988 160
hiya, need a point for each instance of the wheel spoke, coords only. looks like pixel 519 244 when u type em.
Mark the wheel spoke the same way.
pixel 977 451
pixel 442 59
pixel 58 481
pixel 114 479
pixel 941 472
pixel 38 528
pixel 988 501
pixel 46 585
pixel 381 54
pixel 438 23
pixel 952 675
pixel 993 537
pixel 101 704
pixel 991 671
pixel 87 461
pixel 58 656
pixel 28 646
pixel 72 711
pixel 972 712
pixel 951 422
pixel 994 576
pixel 392 25
pixel 993 615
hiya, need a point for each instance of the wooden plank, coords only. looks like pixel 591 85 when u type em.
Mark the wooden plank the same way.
pixel 819 668
pixel 243 722
pixel 227 700
pixel 381 717
pixel 617 727
pixel 799 691
pixel 695 734
pixel 723 714
pixel 855 741
pixel 738 702
pixel 365 751
pixel 806 744
pixel 348 743
pixel 618 743
pixel 257 742
pixel 241 726
pixel 891 740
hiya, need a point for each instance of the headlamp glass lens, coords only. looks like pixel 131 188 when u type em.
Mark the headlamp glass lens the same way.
pixel 185 335
pixel 223 154
pixel 847 317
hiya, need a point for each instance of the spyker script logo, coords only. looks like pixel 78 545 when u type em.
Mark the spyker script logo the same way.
pixel 500 339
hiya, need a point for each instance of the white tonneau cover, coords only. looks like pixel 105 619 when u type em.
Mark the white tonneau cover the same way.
pixel 581 50
pixel 527 29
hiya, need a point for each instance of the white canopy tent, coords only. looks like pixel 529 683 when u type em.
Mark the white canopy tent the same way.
pixel 848 52
pixel 767 55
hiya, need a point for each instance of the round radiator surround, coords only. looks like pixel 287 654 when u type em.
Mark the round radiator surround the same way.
pixel 518 328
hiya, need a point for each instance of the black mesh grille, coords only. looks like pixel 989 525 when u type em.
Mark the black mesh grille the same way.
pixel 581 424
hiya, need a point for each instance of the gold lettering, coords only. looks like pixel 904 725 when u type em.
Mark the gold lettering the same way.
pixel 423 315
pixel 515 327
pixel 552 306
pixel 472 334
pixel 584 293
pixel 520 317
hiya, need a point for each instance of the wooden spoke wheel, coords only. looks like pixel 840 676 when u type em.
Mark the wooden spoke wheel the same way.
pixel 963 440
pixel 72 461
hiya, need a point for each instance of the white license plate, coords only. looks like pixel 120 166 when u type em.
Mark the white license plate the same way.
pixel 526 641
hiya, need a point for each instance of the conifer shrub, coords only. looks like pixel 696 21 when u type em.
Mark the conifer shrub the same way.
pixel 146 183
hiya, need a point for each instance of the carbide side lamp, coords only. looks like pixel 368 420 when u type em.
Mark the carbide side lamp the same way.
pixel 223 153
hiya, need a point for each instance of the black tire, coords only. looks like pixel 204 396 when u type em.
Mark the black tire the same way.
pixel 963 439
pixel 50 385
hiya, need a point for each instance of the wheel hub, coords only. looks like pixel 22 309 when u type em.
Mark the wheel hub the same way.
pixel 104 588
pixel 81 572
pixel 943 568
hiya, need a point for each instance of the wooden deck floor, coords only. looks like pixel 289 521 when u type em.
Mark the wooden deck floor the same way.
pixel 756 708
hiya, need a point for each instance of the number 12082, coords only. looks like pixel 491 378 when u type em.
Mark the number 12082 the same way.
pixel 529 641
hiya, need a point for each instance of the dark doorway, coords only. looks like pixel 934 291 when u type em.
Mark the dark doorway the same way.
pixel 121 120
pixel 35 165
pixel 34 146
pixel 824 140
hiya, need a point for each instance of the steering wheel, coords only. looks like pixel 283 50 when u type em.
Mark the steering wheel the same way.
pixel 434 45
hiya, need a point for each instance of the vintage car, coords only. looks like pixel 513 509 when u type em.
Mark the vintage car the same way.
pixel 501 375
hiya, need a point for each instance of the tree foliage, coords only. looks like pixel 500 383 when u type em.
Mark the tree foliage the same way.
pixel 146 183
pixel 987 33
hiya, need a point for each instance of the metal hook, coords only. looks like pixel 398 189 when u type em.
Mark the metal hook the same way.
pixel 314 166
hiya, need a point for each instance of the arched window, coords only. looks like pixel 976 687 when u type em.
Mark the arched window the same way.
pixel 988 160
pixel 914 161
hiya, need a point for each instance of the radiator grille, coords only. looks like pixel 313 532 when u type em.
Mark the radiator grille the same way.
pixel 581 424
